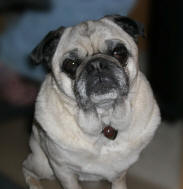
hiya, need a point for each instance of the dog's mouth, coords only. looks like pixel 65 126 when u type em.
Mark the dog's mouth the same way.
pixel 101 85
pixel 102 90
pixel 104 98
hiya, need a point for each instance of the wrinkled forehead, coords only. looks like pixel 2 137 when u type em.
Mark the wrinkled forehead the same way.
pixel 92 37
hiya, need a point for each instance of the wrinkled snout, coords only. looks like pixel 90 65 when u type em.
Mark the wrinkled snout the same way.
pixel 101 77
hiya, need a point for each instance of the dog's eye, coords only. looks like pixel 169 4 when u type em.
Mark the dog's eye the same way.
pixel 120 52
pixel 70 66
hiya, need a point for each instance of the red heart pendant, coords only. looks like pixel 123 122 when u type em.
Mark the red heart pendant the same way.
pixel 110 132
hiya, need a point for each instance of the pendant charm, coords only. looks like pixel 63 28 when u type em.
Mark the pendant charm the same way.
pixel 110 132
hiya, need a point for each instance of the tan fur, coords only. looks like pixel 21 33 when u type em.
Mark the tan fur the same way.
pixel 63 149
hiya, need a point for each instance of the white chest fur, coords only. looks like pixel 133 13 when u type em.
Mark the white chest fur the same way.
pixel 103 159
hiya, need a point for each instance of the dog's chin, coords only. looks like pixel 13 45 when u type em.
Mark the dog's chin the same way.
pixel 104 100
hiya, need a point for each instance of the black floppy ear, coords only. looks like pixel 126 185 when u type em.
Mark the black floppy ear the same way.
pixel 132 27
pixel 45 50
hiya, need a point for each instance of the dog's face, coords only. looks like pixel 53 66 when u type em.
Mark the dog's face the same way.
pixel 95 62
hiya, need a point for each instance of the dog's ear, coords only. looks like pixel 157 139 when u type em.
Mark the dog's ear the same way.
pixel 133 28
pixel 45 50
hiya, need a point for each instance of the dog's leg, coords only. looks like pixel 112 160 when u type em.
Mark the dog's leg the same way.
pixel 36 166
pixel 31 180
pixel 119 183
pixel 66 177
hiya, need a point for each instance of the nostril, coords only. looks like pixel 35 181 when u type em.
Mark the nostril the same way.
pixel 102 65
pixel 96 66
pixel 91 68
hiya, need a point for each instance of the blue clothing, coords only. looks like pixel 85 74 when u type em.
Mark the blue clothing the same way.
pixel 24 34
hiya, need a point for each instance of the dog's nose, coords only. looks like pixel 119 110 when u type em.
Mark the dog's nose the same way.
pixel 96 65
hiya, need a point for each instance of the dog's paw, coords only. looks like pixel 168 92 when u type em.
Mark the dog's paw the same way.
pixel 33 183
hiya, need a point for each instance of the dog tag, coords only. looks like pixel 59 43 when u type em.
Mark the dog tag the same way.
pixel 110 132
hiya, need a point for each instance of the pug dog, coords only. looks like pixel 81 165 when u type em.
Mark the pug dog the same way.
pixel 95 111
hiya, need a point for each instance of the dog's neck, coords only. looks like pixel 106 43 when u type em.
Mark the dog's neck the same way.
pixel 92 122
pixel 104 113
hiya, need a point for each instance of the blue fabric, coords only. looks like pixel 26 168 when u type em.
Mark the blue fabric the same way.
pixel 23 35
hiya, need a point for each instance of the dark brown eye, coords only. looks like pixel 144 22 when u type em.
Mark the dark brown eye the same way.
pixel 120 52
pixel 70 66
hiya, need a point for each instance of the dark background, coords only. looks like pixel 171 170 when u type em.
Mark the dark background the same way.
pixel 166 56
